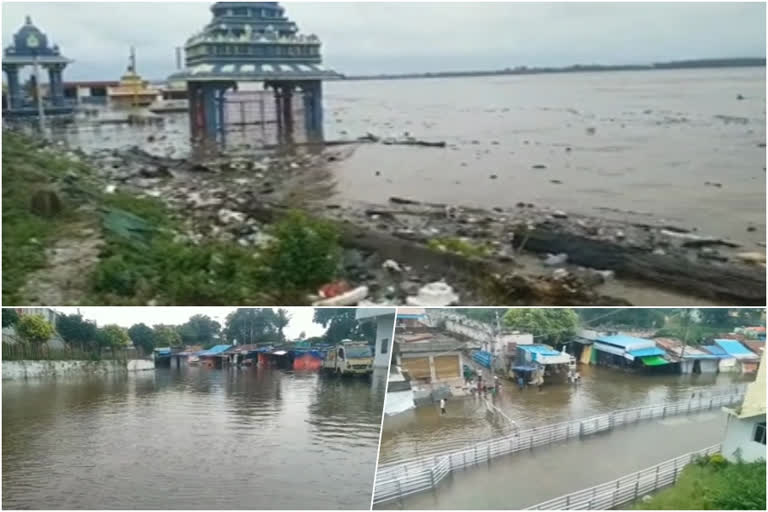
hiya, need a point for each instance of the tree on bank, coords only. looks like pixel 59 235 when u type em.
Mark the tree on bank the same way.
pixel 167 336
pixel 645 318
pixel 113 337
pixel 10 317
pixel 253 325
pixel 34 329
pixel 143 337
pixel 282 319
pixel 340 324
pixel 551 326
pixel 199 330
pixel 77 331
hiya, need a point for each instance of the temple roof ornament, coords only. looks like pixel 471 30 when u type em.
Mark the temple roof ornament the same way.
pixel 257 36
pixel 31 43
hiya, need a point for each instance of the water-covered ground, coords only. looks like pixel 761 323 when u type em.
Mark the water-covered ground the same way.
pixel 602 390
pixel 191 439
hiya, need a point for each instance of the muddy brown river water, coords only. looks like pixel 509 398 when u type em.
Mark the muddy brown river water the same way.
pixel 642 146
pixel 191 439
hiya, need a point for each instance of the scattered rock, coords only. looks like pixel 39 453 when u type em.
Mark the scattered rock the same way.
pixel 558 214
pixel 539 166
pixel 751 229
pixel 591 130
pixel 739 97
pixel 229 216
pixel 46 203
pixel 757 258
pixel 494 176
pixel 556 182
pixel 713 184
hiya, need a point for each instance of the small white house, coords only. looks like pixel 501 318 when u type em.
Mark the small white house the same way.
pixel 745 433
pixel 385 325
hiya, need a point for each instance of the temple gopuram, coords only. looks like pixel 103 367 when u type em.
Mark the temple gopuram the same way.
pixel 30 48
pixel 253 42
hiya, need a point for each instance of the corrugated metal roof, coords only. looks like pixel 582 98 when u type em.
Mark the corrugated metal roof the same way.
pixel 645 352
pixel 628 342
pixel 215 350
pixel 544 350
pixel 715 350
pixel 736 349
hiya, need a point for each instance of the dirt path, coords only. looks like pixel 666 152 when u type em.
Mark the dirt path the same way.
pixel 71 260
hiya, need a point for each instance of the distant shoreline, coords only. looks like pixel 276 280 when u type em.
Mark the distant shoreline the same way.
pixel 577 68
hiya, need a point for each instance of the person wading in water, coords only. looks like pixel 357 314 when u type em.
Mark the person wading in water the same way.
pixel 442 406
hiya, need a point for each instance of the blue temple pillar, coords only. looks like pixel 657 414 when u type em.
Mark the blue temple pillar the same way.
pixel 56 85
pixel 313 109
pixel 206 111
pixel 15 101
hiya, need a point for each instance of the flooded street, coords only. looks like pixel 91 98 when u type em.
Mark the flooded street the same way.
pixel 524 479
pixel 602 390
pixel 191 439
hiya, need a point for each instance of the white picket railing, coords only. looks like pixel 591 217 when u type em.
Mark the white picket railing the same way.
pixel 626 489
pixel 397 480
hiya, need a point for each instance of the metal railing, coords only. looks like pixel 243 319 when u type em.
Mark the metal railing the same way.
pixel 626 489
pixel 397 480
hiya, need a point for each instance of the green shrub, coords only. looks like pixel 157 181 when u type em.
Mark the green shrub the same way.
pixel 303 255
pixel 34 329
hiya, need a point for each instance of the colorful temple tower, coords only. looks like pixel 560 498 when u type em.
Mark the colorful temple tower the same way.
pixel 252 42
pixel 30 48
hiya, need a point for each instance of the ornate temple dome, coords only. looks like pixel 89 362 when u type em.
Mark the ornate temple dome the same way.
pixel 252 41
pixel 30 42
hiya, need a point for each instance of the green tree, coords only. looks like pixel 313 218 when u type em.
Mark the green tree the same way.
pixel 199 330
pixel 34 329
pixel 77 331
pixel 143 337
pixel 114 337
pixel 340 324
pixel 282 318
pixel 548 325
pixel 10 317
pixel 167 336
pixel 631 317
pixel 252 325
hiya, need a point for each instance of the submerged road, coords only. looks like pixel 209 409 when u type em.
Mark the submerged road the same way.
pixel 523 479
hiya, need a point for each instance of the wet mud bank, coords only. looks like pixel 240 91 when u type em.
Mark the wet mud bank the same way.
pixel 526 254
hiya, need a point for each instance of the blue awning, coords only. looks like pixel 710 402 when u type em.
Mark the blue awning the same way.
pixel 214 351
pixel 646 352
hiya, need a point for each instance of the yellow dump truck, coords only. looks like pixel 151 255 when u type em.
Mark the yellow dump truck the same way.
pixel 349 358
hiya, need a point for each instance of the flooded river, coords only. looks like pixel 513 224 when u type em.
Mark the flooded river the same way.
pixel 602 390
pixel 191 439
pixel 641 146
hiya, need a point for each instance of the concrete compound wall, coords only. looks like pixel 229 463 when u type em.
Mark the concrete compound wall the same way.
pixel 35 369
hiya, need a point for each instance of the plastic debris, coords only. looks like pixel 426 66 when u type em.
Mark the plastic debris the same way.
pixel 434 294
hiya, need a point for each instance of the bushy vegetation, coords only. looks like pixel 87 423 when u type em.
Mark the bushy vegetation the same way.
pixel 144 260
pixel 713 483
pixel 34 329
pixel 552 326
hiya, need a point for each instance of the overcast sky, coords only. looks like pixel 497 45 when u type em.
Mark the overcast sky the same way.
pixel 411 36
pixel 301 318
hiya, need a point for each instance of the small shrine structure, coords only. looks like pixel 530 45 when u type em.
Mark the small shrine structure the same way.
pixel 31 48
pixel 253 42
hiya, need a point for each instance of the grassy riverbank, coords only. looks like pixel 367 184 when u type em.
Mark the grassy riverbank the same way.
pixel 714 484
pixel 65 230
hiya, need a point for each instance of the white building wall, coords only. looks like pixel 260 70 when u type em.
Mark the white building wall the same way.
pixel 739 439
pixel 384 326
